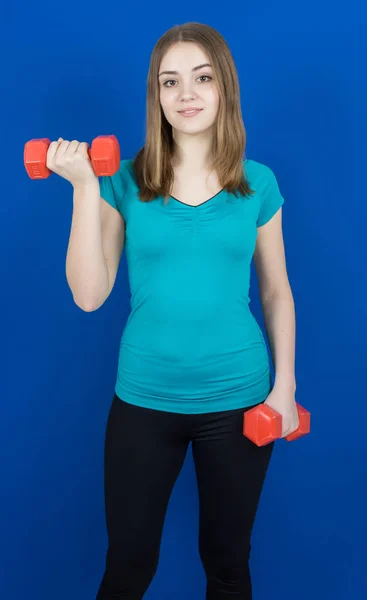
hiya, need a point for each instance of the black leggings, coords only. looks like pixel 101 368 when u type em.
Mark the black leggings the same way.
pixel 144 452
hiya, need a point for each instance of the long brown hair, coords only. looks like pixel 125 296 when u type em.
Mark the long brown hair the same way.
pixel 152 164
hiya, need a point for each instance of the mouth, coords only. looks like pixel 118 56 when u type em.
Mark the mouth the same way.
pixel 191 112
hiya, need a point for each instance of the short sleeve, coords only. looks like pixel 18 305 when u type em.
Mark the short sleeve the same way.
pixel 112 190
pixel 270 197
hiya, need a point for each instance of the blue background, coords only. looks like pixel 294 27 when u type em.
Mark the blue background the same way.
pixel 78 70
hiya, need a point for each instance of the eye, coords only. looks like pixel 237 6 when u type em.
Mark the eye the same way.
pixel 206 76
pixel 168 81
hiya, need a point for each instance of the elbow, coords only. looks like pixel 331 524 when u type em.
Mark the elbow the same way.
pixel 90 302
pixel 87 306
pixel 88 309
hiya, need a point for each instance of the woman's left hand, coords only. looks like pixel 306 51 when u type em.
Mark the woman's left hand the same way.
pixel 283 401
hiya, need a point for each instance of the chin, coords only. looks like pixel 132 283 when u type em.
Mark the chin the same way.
pixel 192 128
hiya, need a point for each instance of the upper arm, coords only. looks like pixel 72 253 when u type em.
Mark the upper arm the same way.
pixel 113 239
pixel 113 193
pixel 269 257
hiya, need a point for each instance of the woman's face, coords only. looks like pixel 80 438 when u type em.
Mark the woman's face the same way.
pixel 188 87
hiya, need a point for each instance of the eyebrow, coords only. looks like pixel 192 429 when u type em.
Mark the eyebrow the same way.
pixel 194 69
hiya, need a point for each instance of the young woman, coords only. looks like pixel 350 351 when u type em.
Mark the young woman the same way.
pixel 192 213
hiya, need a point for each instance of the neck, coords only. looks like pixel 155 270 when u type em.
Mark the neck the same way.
pixel 192 152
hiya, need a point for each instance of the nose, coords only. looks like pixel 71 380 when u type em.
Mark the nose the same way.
pixel 187 91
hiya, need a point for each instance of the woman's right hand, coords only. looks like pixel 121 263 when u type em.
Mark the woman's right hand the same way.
pixel 71 161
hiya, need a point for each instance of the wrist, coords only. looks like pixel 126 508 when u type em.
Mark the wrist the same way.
pixel 285 383
pixel 85 186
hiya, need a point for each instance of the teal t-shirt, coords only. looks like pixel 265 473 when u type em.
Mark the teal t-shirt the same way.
pixel 191 343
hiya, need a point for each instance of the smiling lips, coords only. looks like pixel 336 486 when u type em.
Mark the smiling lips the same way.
pixel 192 112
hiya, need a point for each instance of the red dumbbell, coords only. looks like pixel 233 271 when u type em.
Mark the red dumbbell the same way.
pixel 262 424
pixel 104 155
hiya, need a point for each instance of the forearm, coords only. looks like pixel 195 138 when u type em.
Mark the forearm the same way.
pixel 86 268
pixel 280 325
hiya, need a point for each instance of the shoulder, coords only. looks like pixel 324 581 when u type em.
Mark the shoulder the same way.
pixel 257 173
pixel 122 175
pixel 126 172
pixel 263 181
pixel 116 189
pixel 124 178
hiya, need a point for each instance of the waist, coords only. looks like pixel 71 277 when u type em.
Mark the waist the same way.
pixel 199 334
pixel 182 376
pixel 192 366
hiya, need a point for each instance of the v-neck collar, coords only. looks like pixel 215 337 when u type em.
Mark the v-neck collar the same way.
pixel 198 205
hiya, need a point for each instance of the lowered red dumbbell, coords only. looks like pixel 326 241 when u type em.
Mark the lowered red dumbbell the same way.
pixel 104 155
pixel 262 424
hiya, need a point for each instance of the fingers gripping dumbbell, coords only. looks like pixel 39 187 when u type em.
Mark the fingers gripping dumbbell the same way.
pixel 104 155
pixel 262 424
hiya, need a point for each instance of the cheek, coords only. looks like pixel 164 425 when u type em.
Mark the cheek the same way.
pixel 212 97
pixel 213 101
pixel 162 100
pixel 167 97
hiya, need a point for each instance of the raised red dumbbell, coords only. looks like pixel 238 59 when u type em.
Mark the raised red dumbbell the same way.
pixel 262 424
pixel 104 155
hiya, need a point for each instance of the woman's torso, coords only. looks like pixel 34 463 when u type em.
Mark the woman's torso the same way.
pixel 191 343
